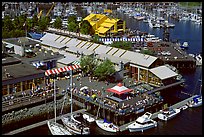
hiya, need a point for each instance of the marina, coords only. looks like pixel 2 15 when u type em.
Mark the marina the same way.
pixel 158 70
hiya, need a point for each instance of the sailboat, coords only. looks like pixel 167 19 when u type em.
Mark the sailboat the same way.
pixel 54 127
pixel 104 124
pixel 71 123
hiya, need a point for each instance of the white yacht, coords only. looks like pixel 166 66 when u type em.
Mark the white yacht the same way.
pixel 142 123
pixel 168 113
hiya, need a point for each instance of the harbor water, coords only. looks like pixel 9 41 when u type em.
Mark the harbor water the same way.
pixel 189 121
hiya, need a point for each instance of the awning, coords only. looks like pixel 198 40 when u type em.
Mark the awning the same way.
pixel 76 62
pixel 38 64
pixel 119 89
pixel 63 69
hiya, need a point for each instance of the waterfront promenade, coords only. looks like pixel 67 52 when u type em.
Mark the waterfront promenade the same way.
pixel 122 128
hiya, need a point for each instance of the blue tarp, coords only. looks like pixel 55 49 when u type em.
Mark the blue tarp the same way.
pixel 35 35
pixel 105 121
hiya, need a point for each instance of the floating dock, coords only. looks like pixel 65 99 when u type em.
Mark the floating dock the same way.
pixel 154 115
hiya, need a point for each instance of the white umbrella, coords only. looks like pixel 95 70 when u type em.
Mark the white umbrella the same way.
pixel 85 87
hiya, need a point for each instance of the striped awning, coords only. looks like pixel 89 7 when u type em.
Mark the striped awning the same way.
pixel 76 62
pixel 63 69
pixel 38 64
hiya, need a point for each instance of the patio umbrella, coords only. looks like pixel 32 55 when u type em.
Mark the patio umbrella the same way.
pixel 85 87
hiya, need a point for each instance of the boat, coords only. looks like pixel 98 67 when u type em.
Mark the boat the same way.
pixel 198 58
pixel 57 129
pixel 71 123
pixel 168 113
pixel 184 45
pixel 104 124
pixel 197 100
pixel 54 127
pixel 88 118
pixel 107 126
pixel 75 126
pixel 142 123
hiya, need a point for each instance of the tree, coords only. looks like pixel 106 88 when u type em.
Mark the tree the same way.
pixel 88 64
pixel 35 20
pixel 43 24
pixel 96 38
pixel 58 23
pixel 123 45
pixel 86 28
pixel 29 24
pixel 22 20
pixel 105 69
pixel 72 26
pixel 16 23
pixel 7 24
pixel 72 18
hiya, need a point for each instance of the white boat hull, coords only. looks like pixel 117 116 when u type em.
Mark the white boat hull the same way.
pixel 73 126
pixel 138 127
pixel 166 117
pixel 194 104
pixel 57 129
pixel 106 126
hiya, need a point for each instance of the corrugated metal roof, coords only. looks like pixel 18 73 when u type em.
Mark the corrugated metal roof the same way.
pixel 112 58
pixel 163 72
pixel 139 58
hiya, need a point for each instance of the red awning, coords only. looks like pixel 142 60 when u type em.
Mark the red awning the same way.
pixel 63 69
pixel 119 89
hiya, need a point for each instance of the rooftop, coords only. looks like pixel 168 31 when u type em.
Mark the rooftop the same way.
pixel 163 72
pixel 19 70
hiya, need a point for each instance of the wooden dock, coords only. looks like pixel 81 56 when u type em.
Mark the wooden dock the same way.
pixel 40 123
pixel 154 115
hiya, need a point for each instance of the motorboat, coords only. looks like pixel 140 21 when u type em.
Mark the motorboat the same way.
pixel 57 129
pixel 184 45
pixel 199 58
pixel 88 118
pixel 168 113
pixel 142 123
pixel 196 102
pixel 107 126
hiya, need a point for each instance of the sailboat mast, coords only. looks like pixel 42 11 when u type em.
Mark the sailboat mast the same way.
pixel 71 89
pixel 55 99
